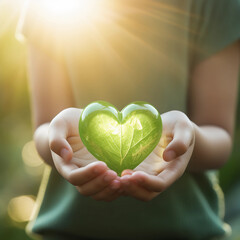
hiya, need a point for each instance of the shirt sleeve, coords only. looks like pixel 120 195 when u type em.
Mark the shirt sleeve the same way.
pixel 214 24
pixel 38 27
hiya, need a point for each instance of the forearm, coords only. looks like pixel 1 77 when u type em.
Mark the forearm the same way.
pixel 212 148
pixel 42 143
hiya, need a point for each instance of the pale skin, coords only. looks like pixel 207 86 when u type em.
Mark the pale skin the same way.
pixel 197 142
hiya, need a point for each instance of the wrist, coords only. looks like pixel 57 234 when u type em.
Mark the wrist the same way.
pixel 212 148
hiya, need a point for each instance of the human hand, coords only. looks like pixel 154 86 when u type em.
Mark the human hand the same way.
pixel 73 161
pixel 166 163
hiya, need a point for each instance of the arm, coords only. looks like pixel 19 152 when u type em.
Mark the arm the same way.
pixel 212 106
pixel 50 94
pixel 205 141
pixel 56 136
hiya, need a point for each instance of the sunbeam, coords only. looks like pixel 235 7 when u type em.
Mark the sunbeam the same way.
pixel 9 13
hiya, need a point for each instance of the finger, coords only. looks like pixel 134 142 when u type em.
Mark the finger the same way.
pixel 64 125
pixel 63 167
pixel 134 190
pixel 182 139
pixel 163 180
pixel 127 172
pixel 171 174
pixel 97 184
pixel 149 182
pixel 109 193
pixel 58 133
pixel 81 176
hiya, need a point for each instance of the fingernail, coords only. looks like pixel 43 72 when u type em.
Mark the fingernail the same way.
pixel 127 172
pixel 170 155
pixel 64 153
pixel 98 169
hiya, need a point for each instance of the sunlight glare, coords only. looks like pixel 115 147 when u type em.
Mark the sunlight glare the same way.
pixel 65 10
pixel 59 7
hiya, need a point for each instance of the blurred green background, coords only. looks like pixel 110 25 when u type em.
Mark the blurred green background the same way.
pixel 20 170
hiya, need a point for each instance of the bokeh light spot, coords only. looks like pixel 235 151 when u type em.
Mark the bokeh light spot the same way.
pixel 30 155
pixel 20 208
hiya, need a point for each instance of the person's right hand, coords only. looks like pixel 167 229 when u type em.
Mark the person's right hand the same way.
pixel 73 161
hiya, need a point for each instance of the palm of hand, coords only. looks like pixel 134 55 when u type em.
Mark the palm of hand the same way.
pixel 81 156
pixel 154 163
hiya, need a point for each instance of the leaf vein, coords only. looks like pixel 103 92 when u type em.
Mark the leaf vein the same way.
pixel 129 147
pixel 143 138
pixel 111 138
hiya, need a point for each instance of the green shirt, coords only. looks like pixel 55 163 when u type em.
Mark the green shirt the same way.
pixel 134 50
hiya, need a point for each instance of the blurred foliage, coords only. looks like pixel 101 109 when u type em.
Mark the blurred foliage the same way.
pixel 15 126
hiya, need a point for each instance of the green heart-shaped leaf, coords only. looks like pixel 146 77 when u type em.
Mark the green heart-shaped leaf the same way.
pixel 121 139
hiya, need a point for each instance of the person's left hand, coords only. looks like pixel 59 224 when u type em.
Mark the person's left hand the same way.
pixel 166 163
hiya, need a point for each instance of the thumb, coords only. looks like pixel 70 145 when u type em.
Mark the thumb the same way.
pixel 58 139
pixel 182 139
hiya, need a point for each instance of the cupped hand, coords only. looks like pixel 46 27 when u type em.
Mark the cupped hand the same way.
pixel 166 163
pixel 73 161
